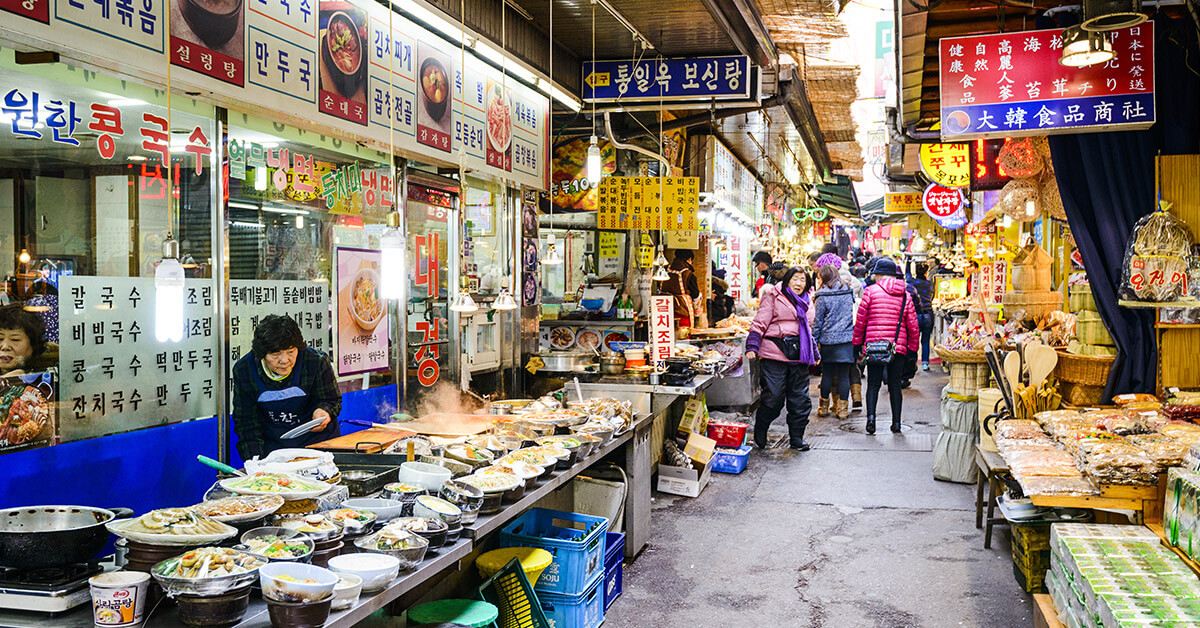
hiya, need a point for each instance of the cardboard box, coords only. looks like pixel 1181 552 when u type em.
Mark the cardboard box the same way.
pixel 695 416
pixel 688 482
pixel 700 448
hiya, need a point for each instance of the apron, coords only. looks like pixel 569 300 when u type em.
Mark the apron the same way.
pixel 286 409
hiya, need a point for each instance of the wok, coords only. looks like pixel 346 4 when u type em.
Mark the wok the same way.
pixel 35 537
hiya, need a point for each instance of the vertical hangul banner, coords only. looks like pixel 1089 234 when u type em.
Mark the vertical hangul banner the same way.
pixel 362 324
pixel 115 375
pixel 662 327
pixel 343 47
pixel 735 272
pixel 251 300
pixel 209 37
pixel 999 281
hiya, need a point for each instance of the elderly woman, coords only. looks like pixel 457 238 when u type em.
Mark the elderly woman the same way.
pixel 23 346
pixel 281 385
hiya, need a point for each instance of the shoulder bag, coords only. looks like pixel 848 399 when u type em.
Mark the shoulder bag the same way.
pixel 881 352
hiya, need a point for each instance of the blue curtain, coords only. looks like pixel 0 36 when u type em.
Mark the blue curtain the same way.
pixel 1107 182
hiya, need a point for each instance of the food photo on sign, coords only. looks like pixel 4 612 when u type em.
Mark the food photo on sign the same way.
pixel 499 126
pixel 570 186
pixel 361 314
pixel 343 42
pixel 435 97
pixel 26 411
pixel 208 36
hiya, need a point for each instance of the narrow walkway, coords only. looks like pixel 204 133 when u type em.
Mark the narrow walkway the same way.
pixel 852 536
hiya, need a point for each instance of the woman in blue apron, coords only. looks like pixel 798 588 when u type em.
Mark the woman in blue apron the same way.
pixel 281 385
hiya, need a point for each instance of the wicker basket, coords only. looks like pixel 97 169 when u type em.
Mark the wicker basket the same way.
pixel 1079 298
pixel 1080 394
pixel 966 356
pixel 968 377
pixel 1083 369
pixel 1034 304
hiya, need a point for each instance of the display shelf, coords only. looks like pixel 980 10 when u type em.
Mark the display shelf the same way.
pixel 1155 306
pixel 558 322
pixel 1045 615
pixel 1177 325
pixel 1157 528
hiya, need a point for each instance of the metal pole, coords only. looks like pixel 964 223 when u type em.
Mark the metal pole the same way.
pixel 400 308
pixel 220 244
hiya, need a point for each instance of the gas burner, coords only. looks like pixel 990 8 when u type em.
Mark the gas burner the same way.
pixel 50 578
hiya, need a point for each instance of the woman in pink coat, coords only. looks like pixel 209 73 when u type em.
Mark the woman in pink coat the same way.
pixel 880 317
pixel 781 337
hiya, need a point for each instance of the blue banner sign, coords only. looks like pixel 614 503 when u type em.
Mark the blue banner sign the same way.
pixel 651 80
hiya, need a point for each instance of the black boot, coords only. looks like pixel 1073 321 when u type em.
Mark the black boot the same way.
pixel 895 426
pixel 760 434
pixel 800 444
pixel 871 425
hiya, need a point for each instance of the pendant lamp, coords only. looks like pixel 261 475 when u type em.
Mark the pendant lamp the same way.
pixel 552 257
pixel 1111 15
pixel 168 295
pixel 505 300
pixel 1083 48
pixel 462 302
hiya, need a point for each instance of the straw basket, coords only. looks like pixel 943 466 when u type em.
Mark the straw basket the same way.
pixel 950 356
pixel 968 377
pixel 1085 370
pixel 1080 394
pixel 1034 304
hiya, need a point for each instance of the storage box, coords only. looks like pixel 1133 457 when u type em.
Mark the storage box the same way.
pixel 575 541
pixel 700 448
pixel 614 557
pixel 687 482
pixel 727 433
pixel 585 610
pixel 731 462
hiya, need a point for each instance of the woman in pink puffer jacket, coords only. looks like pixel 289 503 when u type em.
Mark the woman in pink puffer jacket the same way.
pixel 880 318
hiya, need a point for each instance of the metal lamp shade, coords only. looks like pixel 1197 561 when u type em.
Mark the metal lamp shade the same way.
pixel 1111 15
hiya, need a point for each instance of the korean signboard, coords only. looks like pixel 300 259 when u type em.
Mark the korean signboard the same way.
pixel 734 260
pixel 350 65
pixel 570 187
pixel 947 164
pixel 944 205
pixel 730 183
pixel 652 80
pixel 1011 84
pixel 662 327
pixel 902 203
pixel 115 376
pixel 649 203
pixel 362 321
pixel 251 300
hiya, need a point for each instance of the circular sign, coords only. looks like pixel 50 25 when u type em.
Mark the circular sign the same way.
pixel 947 164
pixel 944 205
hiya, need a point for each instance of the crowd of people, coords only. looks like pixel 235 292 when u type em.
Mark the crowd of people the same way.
pixel 845 317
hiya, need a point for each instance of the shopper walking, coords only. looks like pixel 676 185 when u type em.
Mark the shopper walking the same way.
pixel 920 284
pixel 781 335
pixel 833 332
pixel 886 315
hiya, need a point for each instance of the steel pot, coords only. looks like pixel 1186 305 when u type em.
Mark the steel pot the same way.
pixel 563 361
pixel 34 537
pixel 612 365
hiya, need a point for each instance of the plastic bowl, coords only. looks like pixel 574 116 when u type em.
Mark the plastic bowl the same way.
pixel 431 507
pixel 346 591
pixel 386 509
pixel 291 536
pixel 375 570
pixel 423 474
pixel 409 557
pixel 275 587
pixel 592 304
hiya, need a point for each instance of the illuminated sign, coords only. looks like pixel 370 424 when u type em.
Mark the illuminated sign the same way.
pixel 986 172
pixel 945 205
pixel 947 164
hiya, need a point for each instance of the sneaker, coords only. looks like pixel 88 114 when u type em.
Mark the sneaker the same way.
pixel 924 366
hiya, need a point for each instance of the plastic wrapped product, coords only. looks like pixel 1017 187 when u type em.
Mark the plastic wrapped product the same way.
pixel 1042 463
pixel 1156 258
pixel 1017 429
pixel 1052 485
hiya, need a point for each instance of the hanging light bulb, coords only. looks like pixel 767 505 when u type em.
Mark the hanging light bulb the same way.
pixel 462 302
pixel 1083 48
pixel 1031 208
pixel 660 260
pixel 661 274
pixel 24 257
pixel 552 257
pixel 505 301
pixel 1002 250
pixel 391 262
pixel 593 161
pixel 168 295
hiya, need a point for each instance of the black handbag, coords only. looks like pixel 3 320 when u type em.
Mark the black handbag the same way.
pixel 881 352
pixel 789 345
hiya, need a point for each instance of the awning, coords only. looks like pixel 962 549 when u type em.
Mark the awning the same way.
pixel 839 197
pixel 872 211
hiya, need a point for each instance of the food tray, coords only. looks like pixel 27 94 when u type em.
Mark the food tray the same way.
pixel 307 488
pixel 380 474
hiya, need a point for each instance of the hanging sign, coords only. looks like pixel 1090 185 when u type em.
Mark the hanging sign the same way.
pixel 570 187
pixel 673 80
pixel 1011 84
pixel 944 205
pixel 649 203
pixel 986 171
pixel 947 164
pixel 662 327
pixel 734 261
pixel 362 321
pixel 902 203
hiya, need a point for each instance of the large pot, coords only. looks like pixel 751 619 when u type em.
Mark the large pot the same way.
pixel 566 361
pixel 34 537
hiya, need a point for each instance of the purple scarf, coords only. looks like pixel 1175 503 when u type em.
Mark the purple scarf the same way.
pixel 807 353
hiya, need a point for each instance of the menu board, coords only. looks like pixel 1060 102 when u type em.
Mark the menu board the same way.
pixel 730 183
pixel 362 321
pixel 115 376
pixel 352 66
pixel 251 300
pixel 649 203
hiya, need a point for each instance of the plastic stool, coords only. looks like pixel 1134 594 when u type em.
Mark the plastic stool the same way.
pixel 466 612
pixel 533 561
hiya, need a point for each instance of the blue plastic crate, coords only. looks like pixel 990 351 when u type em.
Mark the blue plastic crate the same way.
pixel 731 463
pixel 614 570
pixel 575 541
pixel 585 610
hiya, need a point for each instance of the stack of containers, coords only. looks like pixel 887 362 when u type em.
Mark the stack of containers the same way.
pixel 732 453
pixel 1031 280
pixel 571 590
pixel 1114 576
pixel 1090 331
pixel 1083 368
pixel 1181 510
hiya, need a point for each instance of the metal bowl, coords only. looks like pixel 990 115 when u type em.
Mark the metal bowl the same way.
pixel 409 557
pixel 202 586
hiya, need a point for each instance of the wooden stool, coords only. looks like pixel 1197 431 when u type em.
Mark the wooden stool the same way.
pixel 991 466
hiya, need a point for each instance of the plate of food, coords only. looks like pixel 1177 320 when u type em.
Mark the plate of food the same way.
pixel 435 88
pixel 562 338
pixel 615 335
pixel 172 527
pixel 240 507
pixel 288 486
pixel 499 119
pixel 588 339
pixel 207 571
pixel 342 50
pixel 366 308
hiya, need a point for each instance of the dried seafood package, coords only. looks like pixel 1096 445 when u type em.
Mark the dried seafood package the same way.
pixel 1038 463
pixel 1052 485
pixel 1121 466
pixel 1156 259
pixel 1163 450
pixel 1018 429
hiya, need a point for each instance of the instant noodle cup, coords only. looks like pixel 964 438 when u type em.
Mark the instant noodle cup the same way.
pixel 119 598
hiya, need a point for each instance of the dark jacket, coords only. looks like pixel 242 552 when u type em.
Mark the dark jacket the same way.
pixel 683 286
pixel 924 291
pixel 720 308
pixel 835 315
pixel 257 436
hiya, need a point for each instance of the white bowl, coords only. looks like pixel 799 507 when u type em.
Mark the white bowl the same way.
pixel 376 570
pixel 367 324
pixel 346 591
pixel 287 591
pixel 423 474
pixel 386 509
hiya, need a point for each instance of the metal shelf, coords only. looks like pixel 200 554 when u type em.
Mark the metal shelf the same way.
pixel 558 322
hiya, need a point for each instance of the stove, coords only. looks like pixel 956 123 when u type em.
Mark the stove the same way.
pixel 52 590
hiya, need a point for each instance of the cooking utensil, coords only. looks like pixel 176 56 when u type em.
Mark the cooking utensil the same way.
pixel 564 362
pixel 1002 382
pixel 219 466
pixel 578 390
pixel 1042 360
pixel 362 480
pixel 34 537
pixel 612 365
pixel 1012 369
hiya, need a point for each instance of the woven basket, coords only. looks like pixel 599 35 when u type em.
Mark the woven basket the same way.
pixel 1034 304
pixel 1079 298
pixel 1080 394
pixel 968 377
pixel 1083 369
pixel 1020 158
pixel 965 356
pixel 1093 332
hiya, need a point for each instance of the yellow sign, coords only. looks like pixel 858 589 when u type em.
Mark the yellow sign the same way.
pixel 683 239
pixel 649 203
pixel 947 164
pixel 902 203
pixel 610 244
pixel 646 252
pixel 597 79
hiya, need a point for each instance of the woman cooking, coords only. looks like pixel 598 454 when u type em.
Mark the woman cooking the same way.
pixel 282 384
